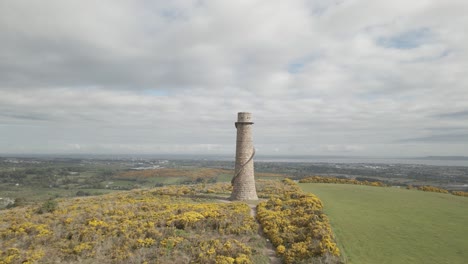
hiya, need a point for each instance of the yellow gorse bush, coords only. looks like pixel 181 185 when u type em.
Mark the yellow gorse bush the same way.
pixel 428 188
pixel 319 179
pixel 431 189
pixel 174 224
pixel 164 224
pixel 460 193
pixel 295 224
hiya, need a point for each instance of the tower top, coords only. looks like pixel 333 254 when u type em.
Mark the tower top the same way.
pixel 244 117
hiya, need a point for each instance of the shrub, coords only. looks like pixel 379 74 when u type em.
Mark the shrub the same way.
pixel 164 225
pixel 82 193
pixel 460 193
pixel 431 189
pixel 20 201
pixel 47 207
pixel 319 179
pixel 295 224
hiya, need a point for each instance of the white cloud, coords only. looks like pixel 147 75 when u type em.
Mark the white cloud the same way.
pixel 361 77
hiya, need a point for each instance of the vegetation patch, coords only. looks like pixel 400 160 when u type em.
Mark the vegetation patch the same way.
pixel 460 193
pixel 296 225
pixel 319 179
pixel 163 225
pixel 192 174
pixel 427 189
pixel 184 175
pixel 171 224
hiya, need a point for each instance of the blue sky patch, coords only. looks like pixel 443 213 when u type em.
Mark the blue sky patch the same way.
pixel 407 40
pixel 295 67
pixel 298 65
pixel 453 115
pixel 172 14
pixel 154 92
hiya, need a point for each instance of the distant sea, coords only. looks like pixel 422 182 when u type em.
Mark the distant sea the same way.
pixel 430 160
pixel 434 161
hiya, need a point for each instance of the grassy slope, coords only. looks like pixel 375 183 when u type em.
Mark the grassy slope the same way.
pixel 389 225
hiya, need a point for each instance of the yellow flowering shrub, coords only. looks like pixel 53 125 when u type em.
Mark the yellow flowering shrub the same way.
pixel 223 251
pixel 175 224
pixel 460 193
pixel 14 255
pixel 320 179
pixel 224 260
pixel 431 189
pixel 147 242
pixel 296 225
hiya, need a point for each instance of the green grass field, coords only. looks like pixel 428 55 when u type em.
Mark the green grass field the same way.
pixel 390 225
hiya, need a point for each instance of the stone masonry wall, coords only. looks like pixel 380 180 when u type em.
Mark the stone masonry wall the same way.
pixel 244 181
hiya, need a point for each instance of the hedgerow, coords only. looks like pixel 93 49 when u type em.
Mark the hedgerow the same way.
pixel 428 188
pixel 319 179
pixel 460 193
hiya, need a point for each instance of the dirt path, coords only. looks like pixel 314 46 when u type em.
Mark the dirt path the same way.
pixel 269 249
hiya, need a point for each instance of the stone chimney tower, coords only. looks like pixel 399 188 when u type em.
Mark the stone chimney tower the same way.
pixel 243 181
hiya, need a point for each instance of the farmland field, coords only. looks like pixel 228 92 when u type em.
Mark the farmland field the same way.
pixel 390 225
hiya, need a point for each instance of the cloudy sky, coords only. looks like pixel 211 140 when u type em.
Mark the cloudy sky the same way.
pixel 344 77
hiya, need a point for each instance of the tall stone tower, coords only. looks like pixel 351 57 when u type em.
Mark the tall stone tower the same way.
pixel 243 181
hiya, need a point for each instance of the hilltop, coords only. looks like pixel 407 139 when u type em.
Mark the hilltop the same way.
pixel 175 224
